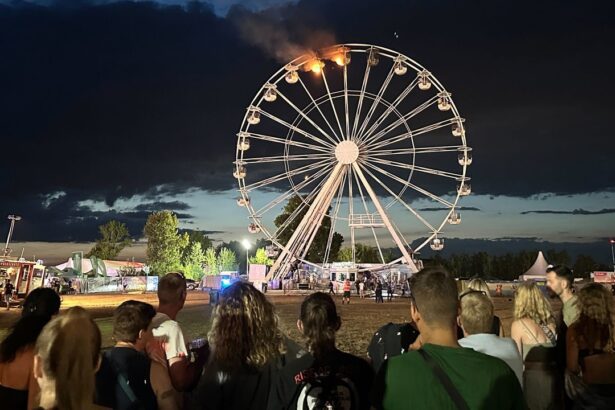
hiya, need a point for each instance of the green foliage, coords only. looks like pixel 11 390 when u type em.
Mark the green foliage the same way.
pixel 165 245
pixel 193 261
pixel 344 255
pixel 260 258
pixel 199 236
pixel 211 262
pixel 114 237
pixel 319 245
pixel 363 254
pixel 226 260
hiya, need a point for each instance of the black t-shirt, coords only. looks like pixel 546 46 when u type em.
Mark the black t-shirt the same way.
pixel 307 383
pixel 8 289
pixel 125 372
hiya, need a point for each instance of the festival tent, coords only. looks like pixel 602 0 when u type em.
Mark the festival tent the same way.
pixel 113 268
pixel 538 271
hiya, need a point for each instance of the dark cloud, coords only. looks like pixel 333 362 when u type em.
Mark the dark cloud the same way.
pixel 160 206
pixel 114 100
pixel 460 208
pixel 573 212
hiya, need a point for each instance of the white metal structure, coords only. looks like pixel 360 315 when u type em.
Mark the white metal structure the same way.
pixel 364 136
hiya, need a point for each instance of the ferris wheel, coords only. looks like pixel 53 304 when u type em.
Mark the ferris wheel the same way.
pixel 361 135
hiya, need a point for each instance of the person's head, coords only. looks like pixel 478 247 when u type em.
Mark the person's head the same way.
pixel 595 323
pixel 131 323
pixel 244 330
pixel 480 285
pixel 172 290
pixel 41 302
pixel 318 321
pixel 476 312
pixel 435 302
pixel 39 307
pixel 67 356
pixel 531 303
pixel 560 279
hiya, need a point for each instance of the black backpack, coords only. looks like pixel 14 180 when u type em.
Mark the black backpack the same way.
pixel 328 392
pixel 390 340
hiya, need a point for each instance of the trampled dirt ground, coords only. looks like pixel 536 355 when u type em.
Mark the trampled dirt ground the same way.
pixel 360 319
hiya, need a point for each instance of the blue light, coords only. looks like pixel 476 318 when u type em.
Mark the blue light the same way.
pixel 225 283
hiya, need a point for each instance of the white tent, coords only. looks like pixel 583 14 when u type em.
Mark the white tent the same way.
pixel 538 271
pixel 113 267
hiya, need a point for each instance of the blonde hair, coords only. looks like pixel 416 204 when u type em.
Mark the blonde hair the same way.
pixel 244 331
pixel 531 303
pixel 479 285
pixel 476 312
pixel 69 350
pixel 595 322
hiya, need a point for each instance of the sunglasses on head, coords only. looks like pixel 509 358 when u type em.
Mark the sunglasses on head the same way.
pixel 467 292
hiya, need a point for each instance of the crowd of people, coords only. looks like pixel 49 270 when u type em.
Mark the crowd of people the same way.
pixel 452 353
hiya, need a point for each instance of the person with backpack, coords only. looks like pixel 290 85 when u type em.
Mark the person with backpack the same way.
pixel 324 378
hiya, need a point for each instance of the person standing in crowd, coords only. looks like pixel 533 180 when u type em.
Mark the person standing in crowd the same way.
pixel 247 347
pixel 442 374
pixel 8 293
pixel 379 298
pixel 590 365
pixel 346 289
pixel 362 289
pixel 308 381
pixel 183 371
pixel 331 291
pixel 18 387
pixel 389 291
pixel 560 280
pixel 127 378
pixel 476 322
pixel 480 285
pixel 67 356
pixel 534 331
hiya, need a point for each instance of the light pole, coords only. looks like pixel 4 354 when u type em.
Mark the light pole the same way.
pixel 246 244
pixel 12 218
pixel 612 241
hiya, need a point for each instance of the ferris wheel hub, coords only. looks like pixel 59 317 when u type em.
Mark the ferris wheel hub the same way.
pixel 346 152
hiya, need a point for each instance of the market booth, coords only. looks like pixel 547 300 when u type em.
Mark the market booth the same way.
pixel 24 275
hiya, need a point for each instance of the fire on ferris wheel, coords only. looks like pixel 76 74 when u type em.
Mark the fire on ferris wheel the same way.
pixel 364 136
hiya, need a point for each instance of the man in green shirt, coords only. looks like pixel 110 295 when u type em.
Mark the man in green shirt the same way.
pixel 408 382
pixel 560 280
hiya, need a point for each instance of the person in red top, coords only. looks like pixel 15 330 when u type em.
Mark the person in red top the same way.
pixel 346 297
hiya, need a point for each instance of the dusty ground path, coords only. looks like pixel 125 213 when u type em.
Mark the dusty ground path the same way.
pixel 360 319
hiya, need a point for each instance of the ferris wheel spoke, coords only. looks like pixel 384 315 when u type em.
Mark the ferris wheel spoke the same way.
pixel 337 118
pixel 367 212
pixel 400 121
pixel 374 104
pixel 333 218
pixel 278 140
pixel 413 133
pixel 283 175
pixel 295 128
pixel 293 190
pixel 317 106
pixel 412 151
pixel 283 158
pixel 392 107
pixel 360 103
pixel 399 199
pixel 418 168
pixel 410 185
pixel 350 211
pixel 306 117
pixel 346 101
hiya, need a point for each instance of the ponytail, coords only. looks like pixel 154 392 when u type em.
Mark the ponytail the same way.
pixel 320 323
pixel 69 347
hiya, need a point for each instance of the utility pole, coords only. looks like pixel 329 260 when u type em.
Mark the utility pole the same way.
pixel 12 218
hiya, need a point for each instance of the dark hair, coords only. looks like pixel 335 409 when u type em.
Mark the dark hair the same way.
pixel 563 272
pixel 38 308
pixel 130 318
pixel 171 287
pixel 434 294
pixel 320 322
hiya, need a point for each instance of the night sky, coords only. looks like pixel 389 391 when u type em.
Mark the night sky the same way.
pixel 111 110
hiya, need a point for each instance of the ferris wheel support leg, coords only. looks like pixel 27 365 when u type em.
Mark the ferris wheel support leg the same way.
pixel 385 218
pixel 308 224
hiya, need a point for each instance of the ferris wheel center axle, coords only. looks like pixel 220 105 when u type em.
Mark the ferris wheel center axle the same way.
pixel 346 152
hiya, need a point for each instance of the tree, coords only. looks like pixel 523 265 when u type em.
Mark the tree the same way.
pixel 165 244
pixel 211 262
pixel 344 255
pixel 114 237
pixel 261 258
pixel 319 244
pixel 227 260
pixel 199 236
pixel 583 265
pixel 193 261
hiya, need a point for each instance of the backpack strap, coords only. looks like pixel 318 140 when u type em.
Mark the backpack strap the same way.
pixel 453 393
pixel 123 382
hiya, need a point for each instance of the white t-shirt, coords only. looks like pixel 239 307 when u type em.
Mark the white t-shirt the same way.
pixel 170 334
pixel 361 285
pixel 501 347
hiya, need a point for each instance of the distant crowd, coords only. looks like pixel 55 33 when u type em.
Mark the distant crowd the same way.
pixel 450 354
